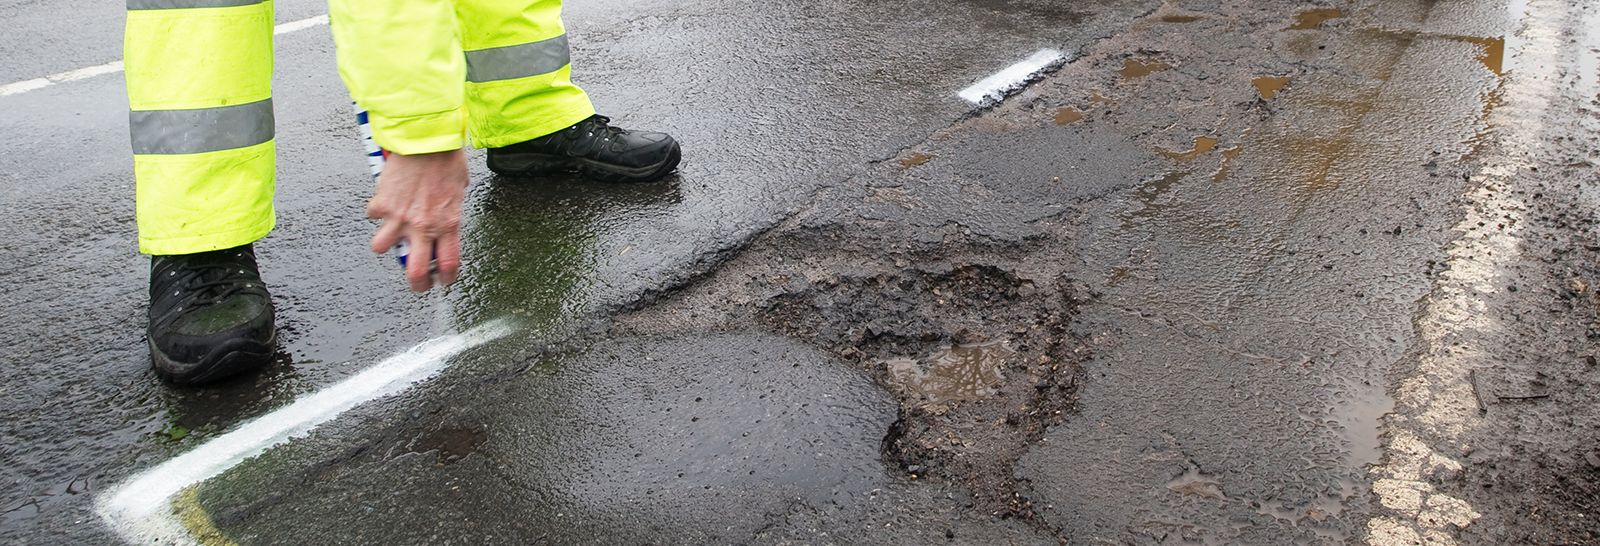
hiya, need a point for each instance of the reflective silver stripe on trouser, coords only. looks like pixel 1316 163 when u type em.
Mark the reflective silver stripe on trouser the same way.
pixel 518 61
pixel 201 130
pixel 189 4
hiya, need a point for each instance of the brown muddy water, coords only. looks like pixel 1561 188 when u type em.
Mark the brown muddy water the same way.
pixel 957 373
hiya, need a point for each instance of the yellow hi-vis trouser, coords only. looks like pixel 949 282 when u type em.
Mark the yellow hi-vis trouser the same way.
pixel 199 86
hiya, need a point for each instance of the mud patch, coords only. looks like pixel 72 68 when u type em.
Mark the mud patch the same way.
pixel 452 443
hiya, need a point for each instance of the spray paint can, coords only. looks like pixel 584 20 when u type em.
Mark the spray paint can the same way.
pixel 376 156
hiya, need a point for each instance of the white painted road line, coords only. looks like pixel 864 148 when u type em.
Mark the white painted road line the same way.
pixel 140 509
pixel 81 73
pixel 300 25
pixel 994 88
pixel 116 66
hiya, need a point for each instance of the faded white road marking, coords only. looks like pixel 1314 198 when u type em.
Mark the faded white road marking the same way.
pixel 994 88
pixel 116 66
pixel 140 509
pixel 302 24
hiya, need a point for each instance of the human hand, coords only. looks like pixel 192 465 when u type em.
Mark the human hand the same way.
pixel 419 199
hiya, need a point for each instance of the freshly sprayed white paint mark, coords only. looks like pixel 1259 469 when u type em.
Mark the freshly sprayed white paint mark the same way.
pixel 116 66
pixel 140 509
pixel 994 88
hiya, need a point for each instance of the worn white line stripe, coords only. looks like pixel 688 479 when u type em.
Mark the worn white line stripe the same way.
pixel 81 73
pixel 995 87
pixel 116 66
pixel 300 25
pixel 140 508
pixel 23 86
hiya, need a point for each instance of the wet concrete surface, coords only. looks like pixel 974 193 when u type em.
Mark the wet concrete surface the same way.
pixel 1244 273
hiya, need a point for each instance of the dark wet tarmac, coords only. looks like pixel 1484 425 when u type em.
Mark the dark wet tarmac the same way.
pixel 1252 207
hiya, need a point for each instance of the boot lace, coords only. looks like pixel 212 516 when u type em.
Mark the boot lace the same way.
pixel 207 283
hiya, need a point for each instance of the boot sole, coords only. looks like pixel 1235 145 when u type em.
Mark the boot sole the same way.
pixel 524 165
pixel 231 359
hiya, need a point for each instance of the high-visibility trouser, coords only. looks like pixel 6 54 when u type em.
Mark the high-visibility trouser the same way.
pixel 428 70
pixel 519 71
pixel 199 76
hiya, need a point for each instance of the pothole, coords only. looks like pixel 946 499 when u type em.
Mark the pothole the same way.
pixel 978 357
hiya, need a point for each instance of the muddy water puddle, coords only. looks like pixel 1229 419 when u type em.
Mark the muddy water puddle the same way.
pixel 954 373
pixel 1194 482
pixel 1269 86
pixel 1134 68
pixel 915 160
pixel 1358 416
pixel 1312 20
pixel 1228 157
pixel 1202 144
pixel 1068 115
pixel 1494 53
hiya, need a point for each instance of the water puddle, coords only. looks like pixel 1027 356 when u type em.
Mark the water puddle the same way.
pixel 1133 68
pixel 1228 156
pixel 1094 96
pixel 1180 18
pixel 955 373
pixel 1319 514
pixel 1201 145
pixel 1193 482
pixel 1494 53
pixel 1313 19
pixel 1068 115
pixel 915 159
pixel 1359 418
pixel 1154 199
pixel 1269 86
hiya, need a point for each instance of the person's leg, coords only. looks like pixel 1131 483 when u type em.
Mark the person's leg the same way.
pixel 523 106
pixel 199 76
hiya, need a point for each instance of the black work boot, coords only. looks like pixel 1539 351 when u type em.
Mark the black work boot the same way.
pixel 210 316
pixel 593 148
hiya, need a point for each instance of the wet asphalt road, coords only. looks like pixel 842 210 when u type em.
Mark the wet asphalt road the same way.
pixel 1253 305
pixel 771 101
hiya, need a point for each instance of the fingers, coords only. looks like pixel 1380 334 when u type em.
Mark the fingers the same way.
pixel 448 249
pixel 419 199
pixel 388 235
pixel 419 269
pixel 443 267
